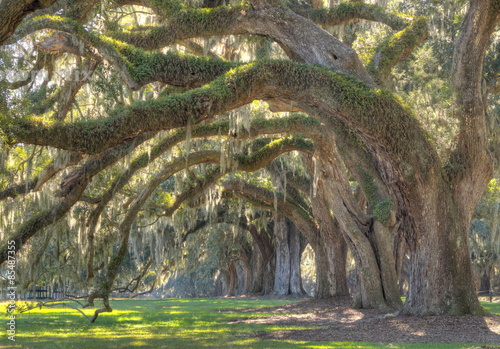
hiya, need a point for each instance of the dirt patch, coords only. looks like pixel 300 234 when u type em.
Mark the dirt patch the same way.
pixel 336 321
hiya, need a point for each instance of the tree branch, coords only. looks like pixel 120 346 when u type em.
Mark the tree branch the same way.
pixel 45 175
pixel 470 166
pixel 348 11
pixel 12 12
pixel 72 194
pixel 396 48
pixel 374 114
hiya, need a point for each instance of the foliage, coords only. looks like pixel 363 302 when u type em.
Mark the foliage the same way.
pixel 168 68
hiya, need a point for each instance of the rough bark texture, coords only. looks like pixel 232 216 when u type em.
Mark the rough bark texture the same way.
pixel 14 11
pixel 441 279
pixel 282 276
pixel 331 254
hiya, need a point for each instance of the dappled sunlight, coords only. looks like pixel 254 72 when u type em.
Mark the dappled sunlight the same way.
pixel 215 323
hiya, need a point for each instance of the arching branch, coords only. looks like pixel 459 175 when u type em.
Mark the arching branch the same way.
pixel 36 183
pixel 348 11
pixel 396 48
pixel 374 114
pixel 72 193
pixel 12 12
pixel 266 199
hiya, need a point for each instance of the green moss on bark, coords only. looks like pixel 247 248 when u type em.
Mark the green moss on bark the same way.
pixel 348 11
pixel 397 47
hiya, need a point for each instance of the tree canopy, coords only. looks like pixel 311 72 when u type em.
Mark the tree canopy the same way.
pixel 140 137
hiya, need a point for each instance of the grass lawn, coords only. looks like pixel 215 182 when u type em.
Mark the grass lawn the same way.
pixel 169 323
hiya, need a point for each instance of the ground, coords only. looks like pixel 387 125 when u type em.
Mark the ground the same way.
pixel 336 321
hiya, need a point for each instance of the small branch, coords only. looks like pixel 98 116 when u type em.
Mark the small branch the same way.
pixel 49 304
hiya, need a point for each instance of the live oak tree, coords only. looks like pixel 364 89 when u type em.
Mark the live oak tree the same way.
pixel 356 129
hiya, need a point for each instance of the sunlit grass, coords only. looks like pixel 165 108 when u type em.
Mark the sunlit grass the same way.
pixel 169 323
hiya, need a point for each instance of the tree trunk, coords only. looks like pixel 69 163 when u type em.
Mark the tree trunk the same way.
pixel 269 276
pixel 282 276
pixel 441 280
pixel 287 279
pixel 231 279
pixel 330 253
pixel 335 189
pixel 257 261
pixel 295 257
pixel 387 264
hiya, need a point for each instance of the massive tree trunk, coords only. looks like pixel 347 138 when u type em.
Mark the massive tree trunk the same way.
pixel 330 252
pixel 330 258
pixel 441 279
pixel 287 280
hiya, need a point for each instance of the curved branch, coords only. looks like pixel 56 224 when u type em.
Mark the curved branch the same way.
pixel 348 11
pixel 188 24
pixel 72 193
pixel 45 175
pixel 283 26
pixel 396 48
pixel 374 114
pixel 12 12
pixel 295 123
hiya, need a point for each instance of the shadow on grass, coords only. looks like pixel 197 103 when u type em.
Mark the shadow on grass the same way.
pixel 227 323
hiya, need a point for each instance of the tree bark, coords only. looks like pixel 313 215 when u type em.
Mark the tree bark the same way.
pixel 14 11
pixel 296 250
pixel 287 280
pixel 231 280
pixel 441 279
pixel 330 252
pixel 282 253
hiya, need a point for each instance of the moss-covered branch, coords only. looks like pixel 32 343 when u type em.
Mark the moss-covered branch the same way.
pixel 374 114
pixel 270 151
pixel 397 47
pixel 186 24
pixel 349 11
pixel 136 66
pixel 266 199
pixel 72 193
pixel 298 124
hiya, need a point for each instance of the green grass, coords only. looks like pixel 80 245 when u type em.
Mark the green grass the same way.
pixel 169 323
